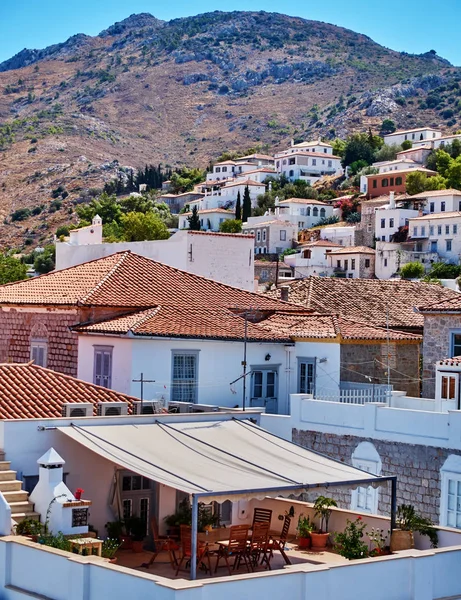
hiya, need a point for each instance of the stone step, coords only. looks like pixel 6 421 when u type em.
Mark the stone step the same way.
pixel 18 517
pixel 7 475
pixel 16 496
pixel 5 465
pixel 10 486
pixel 23 506
pixel 2 455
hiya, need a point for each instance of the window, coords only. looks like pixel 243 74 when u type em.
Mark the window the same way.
pixel 375 183
pixel 322 213
pixel 450 501
pixel 330 163
pixel 392 181
pixel 383 238
pixel 433 245
pixel 39 351
pixel 448 242
pixel 448 387
pixel 258 235
pixel 184 376
pixel 306 375
pixel 314 162
pixel 415 231
pixel 442 207
pixel 224 169
pixel 291 173
pixel 455 229
pixel 423 231
pixel 447 229
pixel 315 212
pixel 385 182
pixel 391 222
pixel 439 229
pixel 431 230
pixel 264 275
pixel 264 384
pixel 264 235
pixel 353 264
pixel 431 207
pixel 307 253
pixel 308 211
pixel 385 262
pixel 367 263
pixel 383 223
pixel 325 150
pixel 366 457
pixel 338 264
pixel 455 344
pixel 217 169
pixel 398 181
pixel 292 161
pixel 459 205
pixel 283 235
pixel 102 372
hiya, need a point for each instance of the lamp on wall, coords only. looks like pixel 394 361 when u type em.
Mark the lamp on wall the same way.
pixel 323 360
pixel 267 357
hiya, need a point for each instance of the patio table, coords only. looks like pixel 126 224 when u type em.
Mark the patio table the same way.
pixel 87 542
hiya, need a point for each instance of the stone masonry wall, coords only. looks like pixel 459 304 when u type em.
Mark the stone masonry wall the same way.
pixel 417 469
pixel 436 346
pixel 360 360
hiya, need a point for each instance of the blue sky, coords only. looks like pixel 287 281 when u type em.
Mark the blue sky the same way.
pixel 410 25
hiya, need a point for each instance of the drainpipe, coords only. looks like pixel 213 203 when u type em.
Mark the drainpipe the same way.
pixel 288 350
pixel 193 559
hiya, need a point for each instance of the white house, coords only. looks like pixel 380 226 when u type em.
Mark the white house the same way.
pixel 391 256
pixel 339 233
pixel 258 175
pixel 390 217
pixel 417 154
pixel 439 142
pixel 420 134
pixel 308 166
pixel 400 164
pixel 307 211
pixel 312 259
pixel 229 169
pixel 210 219
pixel 316 146
pixel 439 201
pixel 225 194
pixel 271 236
pixel 258 159
pixel 352 262
pixel 437 233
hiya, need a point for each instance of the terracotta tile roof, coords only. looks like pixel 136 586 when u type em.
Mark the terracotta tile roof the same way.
pixel 128 280
pixel 413 130
pixel 249 182
pixel 437 193
pixel 442 215
pixel 219 233
pixel 314 154
pixel 322 243
pixel 402 172
pixel 28 391
pixel 368 300
pixel 309 144
pixel 424 147
pixel 450 362
pixel 197 323
pixel 354 250
pixel 259 170
pixel 274 221
pixel 256 156
pixel 303 201
pixel 211 210
pixel 444 305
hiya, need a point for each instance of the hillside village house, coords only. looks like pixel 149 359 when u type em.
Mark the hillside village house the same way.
pixel 352 262
pixel 391 217
pixel 312 259
pixel 341 233
pixel 227 258
pixel 436 233
pixel 420 134
pixel 259 175
pixel 272 271
pixel 400 164
pixel 230 169
pixel 439 201
pixel 383 183
pixel 316 146
pixel 308 212
pixel 224 195
pixel 210 219
pixel 271 236
pixel 308 166
pixel 176 202
pixel 438 142
pixel 417 154
pixel 390 257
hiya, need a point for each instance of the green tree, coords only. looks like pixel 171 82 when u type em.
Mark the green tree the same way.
pixel 416 183
pixel 44 262
pixel 359 146
pixel 246 204
pixel 339 147
pixel 412 270
pixel 443 161
pixel 238 208
pixel 106 206
pixel 231 226
pixel 407 144
pixel 387 153
pixel 185 180
pixel 387 126
pixel 11 269
pixel 453 173
pixel 194 220
pixel 138 227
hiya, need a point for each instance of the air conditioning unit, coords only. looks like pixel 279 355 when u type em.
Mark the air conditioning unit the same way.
pixel 149 407
pixel 77 409
pixel 112 409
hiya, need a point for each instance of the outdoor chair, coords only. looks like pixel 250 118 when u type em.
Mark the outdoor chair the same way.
pixel 186 550
pixel 162 543
pixel 236 548
pixel 257 547
pixel 262 515
pixel 278 543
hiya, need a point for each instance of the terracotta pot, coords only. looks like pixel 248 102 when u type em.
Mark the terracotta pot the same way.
pixel 304 543
pixel 319 541
pixel 113 559
pixel 126 542
pixel 402 540
pixel 137 546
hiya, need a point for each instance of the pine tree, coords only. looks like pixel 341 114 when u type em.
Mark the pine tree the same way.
pixel 246 204
pixel 194 220
pixel 238 208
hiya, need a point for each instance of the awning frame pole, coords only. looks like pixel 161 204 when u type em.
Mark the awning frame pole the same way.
pixel 393 503
pixel 193 558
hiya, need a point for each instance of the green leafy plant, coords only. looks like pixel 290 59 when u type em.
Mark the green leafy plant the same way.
pixel 408 520
pixel 323 509
pixel 349 543
pixel 136 527
pixel 56 541
pixel 378 540
pixel 305 526
pixel 29 527
pixel 110 547
pixel 115 529
pixel 412 270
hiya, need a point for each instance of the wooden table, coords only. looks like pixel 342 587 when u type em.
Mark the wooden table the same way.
pixel 87 542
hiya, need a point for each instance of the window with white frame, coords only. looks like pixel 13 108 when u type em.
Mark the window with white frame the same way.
pixel 448 387
pixel 39 351
pixel 450 500
pixel 283 235
pixel 184 376
pixel 366 457
pixel 102 371
pixel 264 235
pixel 258 235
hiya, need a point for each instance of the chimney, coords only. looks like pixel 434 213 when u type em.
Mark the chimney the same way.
pixel 292 142
pixel 284 292
pixel 391 199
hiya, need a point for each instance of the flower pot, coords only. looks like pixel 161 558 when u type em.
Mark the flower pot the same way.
pixel 304 543
pixel 319 541
pixel 137 546
pixel 113 559
pixel 126 542
pixel 402 540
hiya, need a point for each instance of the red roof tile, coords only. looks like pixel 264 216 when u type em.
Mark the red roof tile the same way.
pixel 450 362
pixel 28 391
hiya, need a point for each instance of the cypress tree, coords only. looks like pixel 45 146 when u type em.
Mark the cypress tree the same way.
pixel 194 220
pixel 246 205
pixel 238 208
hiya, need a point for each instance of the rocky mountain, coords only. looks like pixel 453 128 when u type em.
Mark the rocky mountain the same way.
pixel 183 91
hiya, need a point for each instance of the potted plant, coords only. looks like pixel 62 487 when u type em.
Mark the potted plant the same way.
pixel 30 528
pixel 323 509
pixel 349 543
pixel 408 521
pixel 183 516
pixel 305 528
pixel 136 528
pixel 206 519
pixel 116 530
pixel 109 548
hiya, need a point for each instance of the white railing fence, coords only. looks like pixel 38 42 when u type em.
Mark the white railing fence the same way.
pixel 357 395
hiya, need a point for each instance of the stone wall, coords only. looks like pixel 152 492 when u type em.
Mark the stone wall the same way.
pixel 359 361
pixel 436 346
pixel 416 467
pixel 364 271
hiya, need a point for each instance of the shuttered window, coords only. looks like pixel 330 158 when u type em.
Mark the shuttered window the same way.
pixel 184 376
pixel 102 374
pixel 39 352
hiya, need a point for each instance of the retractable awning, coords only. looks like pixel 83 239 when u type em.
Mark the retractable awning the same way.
pixel 217 460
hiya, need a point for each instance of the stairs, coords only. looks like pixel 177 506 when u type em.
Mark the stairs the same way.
pixel 17 498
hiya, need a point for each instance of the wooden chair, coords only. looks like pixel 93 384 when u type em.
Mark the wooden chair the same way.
pixel 163 543
pixel 279 542
pixel 258 545
pixel 262 515
pixel 236 547
pixel 186 549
